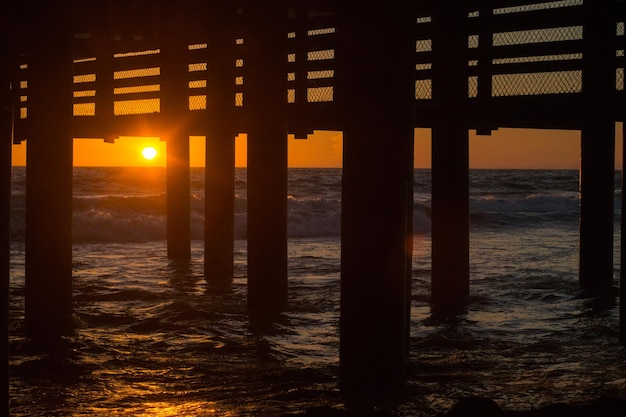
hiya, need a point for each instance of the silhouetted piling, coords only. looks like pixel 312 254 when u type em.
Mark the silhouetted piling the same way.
pixel 6 115
pixel 622 274
pixel 220 147
pixel 219 206
pixel 178 199
pixel 265 86
pixel 48 292
pixel 377 95
pixel 597 167
pixel 174 108
pixel 450 157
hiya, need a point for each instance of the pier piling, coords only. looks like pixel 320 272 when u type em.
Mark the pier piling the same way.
pixel 178 199
pixel 219 207
pixel 597 167
pixel 174 106
pixel 450 159
pixel 6 122
pixel 220 147
pixel 265 87
pixel 376 198
pixel 48 240
pixel 622 275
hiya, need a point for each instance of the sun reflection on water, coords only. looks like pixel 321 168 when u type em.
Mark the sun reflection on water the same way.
pixel 168 409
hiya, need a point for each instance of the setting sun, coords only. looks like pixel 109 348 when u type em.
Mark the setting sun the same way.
pixel 149 152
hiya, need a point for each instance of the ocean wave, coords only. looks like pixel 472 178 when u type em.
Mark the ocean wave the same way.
pixel 313 217
pixel 143 218
pixel 525 203
pixel 498 199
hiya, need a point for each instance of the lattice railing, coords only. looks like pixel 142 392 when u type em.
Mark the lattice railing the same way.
pixel 311 55
pixel 521 48
pixel 535 49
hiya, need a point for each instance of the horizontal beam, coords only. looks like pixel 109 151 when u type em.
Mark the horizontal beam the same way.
pixel 532 20
pixel 562 111
pixel 535 49
pixel 536 67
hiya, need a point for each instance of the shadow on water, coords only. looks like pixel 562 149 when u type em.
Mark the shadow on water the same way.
pixel 48 367
pixel 599 306
pixel 50 358
pixel 448 311
pixel 181 276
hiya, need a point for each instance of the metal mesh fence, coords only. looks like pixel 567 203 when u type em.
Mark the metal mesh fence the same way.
pixel 520 63
pixel 545 35
pixel 522 84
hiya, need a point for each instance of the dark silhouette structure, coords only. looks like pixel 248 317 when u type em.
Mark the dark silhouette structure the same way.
pixel 6 117
pixel 105 68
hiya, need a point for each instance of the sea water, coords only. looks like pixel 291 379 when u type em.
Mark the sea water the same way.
pixel 153 339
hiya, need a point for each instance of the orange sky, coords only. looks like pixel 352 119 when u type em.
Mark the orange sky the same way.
pixel 505 148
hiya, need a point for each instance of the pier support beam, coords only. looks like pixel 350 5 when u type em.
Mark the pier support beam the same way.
pixel 178 199
pixel 219 200
pixel 175 109
pixel 48 288
pixel 219 227
pixel 450 159
pixel 622 275
pixel 266 100
pixel 6 116
pixel 377 92
pixel 597 167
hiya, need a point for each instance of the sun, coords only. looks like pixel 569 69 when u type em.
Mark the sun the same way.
pixel 149 152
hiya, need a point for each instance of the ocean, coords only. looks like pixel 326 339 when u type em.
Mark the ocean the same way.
pixel 154 340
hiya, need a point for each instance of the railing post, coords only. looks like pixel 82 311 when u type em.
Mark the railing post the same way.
pixel 105 70
pixel 597 167
pixel 376 92
pixel 48 288
pixel 485 68
pixel 450 158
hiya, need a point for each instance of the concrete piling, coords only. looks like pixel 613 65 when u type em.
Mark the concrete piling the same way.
pixel 265 86
pixel 622 276
pixel 48 240
pixel 220 147
pixel 376 199
pixel 6 124
pixel 174 106
pixel 597 150
pixel 450 159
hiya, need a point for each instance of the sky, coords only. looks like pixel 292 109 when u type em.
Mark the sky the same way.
pixel 505 148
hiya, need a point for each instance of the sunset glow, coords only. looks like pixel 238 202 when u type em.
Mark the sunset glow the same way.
pixel 149 153
pixel 505 148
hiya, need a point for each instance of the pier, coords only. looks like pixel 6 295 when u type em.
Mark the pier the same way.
pixel 102 69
